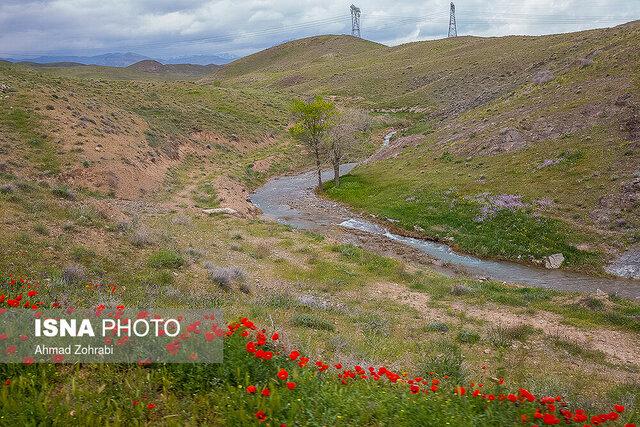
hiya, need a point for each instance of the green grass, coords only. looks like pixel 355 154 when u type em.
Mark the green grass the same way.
pixel 215 394
pixel 308 321
pixel 451 218
pixel 166 258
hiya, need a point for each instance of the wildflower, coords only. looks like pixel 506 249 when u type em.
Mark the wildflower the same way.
pixel 414 389
pixel 283 374
pixel 338 365
pixel 261 338
pixel 151 406
pixel 291 385
pixel 461 391
pixel 550 419
pixel 265 392
pixel 511 397
pixel 7 382
pixel 28 360
pixel 251 389
pixel 434 388
pixel 294 354
pixel 32 293
pixel 275 336
pixel 135 402
pixel 261 416
pixel 619 408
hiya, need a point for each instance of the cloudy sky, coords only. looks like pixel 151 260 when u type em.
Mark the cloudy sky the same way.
pixel 164 28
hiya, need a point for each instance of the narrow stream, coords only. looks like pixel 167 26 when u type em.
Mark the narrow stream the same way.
pixel 291 200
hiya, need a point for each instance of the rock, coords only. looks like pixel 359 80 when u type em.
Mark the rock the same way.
pixel 216 211
pixel 554 261
pixel 626 265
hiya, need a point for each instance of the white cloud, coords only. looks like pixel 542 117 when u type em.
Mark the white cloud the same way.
pixel 169 27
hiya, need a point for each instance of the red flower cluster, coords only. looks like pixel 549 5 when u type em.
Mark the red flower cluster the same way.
pixel 548 410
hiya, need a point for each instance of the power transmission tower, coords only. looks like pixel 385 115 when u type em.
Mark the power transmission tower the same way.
pixel 453 31
pixel 355 21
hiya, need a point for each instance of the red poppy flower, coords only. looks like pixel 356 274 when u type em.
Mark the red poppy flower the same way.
pixel 550 419
pixel 294 354
pixel 261 416
pixel 414 389
pixel 461 391
pixel 512 397
pixel 618 408
pixel 291 385
pixel 283 374
pixel 434 388
pixel 251 389
pixel 275 336
pixel 151 406
pixel 265 392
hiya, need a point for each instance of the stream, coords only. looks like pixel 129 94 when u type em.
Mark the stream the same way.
pixel 291 200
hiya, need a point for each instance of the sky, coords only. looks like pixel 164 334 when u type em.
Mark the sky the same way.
pixel 166 28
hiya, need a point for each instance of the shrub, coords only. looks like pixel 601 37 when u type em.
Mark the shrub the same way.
pixel 261 251
pixel 501 336
pixel 437 327
pixel 459 289
pixel 141 238
pixel 64 192
pixel 7 188
pixel 41 229
pixel 226 277
pixel 73 273
pixel 166 258
pixel 312 322
pixel 468 337
pixel 194 254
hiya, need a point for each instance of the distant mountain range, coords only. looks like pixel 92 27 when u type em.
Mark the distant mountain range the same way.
pixel 125 59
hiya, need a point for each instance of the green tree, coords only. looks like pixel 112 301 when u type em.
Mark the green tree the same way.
pixel 314 119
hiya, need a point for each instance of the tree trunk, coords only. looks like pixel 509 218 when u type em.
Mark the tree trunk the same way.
pixel 336 174
pixel 319 168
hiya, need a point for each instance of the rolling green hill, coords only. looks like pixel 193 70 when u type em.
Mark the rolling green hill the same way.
pixel 549 124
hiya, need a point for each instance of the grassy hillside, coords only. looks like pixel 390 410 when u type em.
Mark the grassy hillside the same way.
pixel 285 59
pixel 547 125
pixel 103 181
